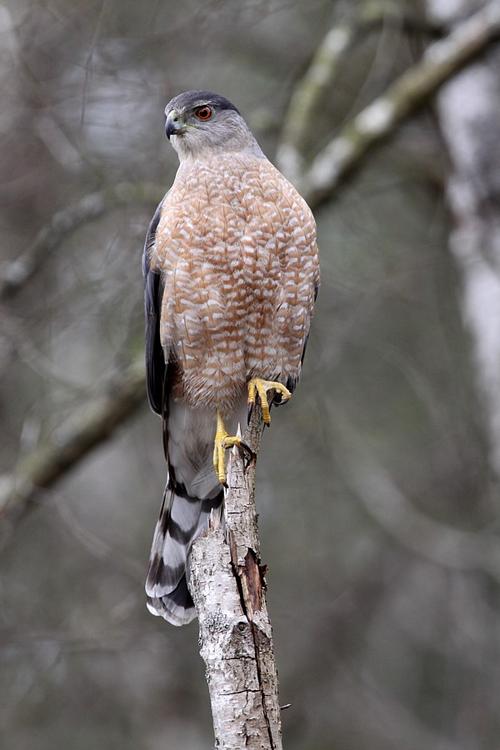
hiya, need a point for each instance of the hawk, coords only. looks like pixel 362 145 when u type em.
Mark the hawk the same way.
pixel 231 274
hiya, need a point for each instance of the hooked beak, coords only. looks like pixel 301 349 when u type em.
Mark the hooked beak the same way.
pixel 174 124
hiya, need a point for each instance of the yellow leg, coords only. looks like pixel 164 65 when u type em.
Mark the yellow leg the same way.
pixel 223 441
pixel 260 387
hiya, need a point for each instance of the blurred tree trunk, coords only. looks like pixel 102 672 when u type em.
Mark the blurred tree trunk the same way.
pixel 469 116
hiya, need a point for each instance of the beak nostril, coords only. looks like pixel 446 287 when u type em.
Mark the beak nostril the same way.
pixel 174 124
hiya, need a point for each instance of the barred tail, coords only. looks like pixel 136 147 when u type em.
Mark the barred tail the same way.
pixel 192 492
pixel 182 518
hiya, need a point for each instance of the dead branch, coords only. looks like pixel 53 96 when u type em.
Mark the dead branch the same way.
pixel 228 588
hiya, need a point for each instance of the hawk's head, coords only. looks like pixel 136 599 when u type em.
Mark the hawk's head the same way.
pixel 201 121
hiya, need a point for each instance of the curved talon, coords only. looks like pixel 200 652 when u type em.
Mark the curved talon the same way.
pixel 222 442
pixel 260 387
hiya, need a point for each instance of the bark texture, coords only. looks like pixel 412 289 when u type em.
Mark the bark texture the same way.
pixel 228 588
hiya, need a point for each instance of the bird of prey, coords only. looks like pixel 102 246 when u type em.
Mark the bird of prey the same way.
pixel 231 274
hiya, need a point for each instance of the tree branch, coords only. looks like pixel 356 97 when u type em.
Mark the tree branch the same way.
pixel 322 71
pixel 86 429
pixel 434 540
pixel 16 273
pixel 429 538
pixel 228 588
pixel 441 61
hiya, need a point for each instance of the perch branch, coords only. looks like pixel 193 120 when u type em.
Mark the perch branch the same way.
pixel 228 588
pixel 441 61
pixel 87 428
pixel 16 273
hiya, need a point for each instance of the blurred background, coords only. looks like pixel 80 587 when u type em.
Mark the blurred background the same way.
pixel 377 485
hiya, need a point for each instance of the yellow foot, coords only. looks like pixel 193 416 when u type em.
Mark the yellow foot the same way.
pixel 257 386
pixel 223 441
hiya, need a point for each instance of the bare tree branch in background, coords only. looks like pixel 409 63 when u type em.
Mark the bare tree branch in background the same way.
pixel 323 69
pixel 89 426
pixel 429 538
pixel 16 273
pixel 469 116
pixel 381 497
pixel 441 61
pixel 227 585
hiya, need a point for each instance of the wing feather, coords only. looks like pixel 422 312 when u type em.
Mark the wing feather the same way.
pixel 156 366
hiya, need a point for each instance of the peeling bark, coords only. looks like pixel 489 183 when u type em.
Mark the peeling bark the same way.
pixel 228 588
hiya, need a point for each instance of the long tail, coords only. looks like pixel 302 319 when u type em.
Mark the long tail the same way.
pixel 182 518
pixel 192 492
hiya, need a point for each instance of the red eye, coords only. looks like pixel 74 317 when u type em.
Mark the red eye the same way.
pixel 203 113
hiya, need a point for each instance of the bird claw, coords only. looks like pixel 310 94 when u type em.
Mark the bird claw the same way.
pixel 222 442
pixel 259 387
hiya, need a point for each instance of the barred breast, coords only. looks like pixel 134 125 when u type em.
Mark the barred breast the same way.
pixel 236 245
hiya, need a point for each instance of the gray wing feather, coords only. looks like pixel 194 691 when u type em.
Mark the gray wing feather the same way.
pixel 156 366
